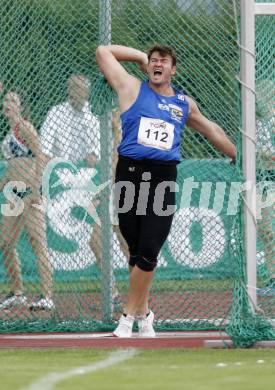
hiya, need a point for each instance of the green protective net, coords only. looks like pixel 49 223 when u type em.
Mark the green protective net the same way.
pixel 265 95
pixel 58 250
pixel 245 327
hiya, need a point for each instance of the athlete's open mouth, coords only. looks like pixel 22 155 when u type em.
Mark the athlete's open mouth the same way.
pixel 157 72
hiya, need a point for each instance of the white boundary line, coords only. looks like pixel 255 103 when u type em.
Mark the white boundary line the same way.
pixel 48 381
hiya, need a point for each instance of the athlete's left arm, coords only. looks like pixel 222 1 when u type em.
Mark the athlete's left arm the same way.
pixel 213 132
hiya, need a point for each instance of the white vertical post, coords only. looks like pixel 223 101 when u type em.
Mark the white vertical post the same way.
pixel 105 30
pixel 105 22
pixel 249 147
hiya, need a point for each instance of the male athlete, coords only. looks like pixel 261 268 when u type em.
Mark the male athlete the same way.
pixel 153 115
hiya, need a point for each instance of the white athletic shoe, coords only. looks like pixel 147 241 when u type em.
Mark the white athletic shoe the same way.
pixel 42 304
pixel 125 327
pixel 11 300
pixel 145 325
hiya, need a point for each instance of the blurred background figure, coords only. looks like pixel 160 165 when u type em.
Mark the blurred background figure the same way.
pixel 72 132
pixel 25 164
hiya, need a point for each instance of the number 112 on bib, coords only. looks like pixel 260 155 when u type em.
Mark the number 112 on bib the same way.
pixel 156 133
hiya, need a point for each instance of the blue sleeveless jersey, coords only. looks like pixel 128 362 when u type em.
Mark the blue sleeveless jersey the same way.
pixel 153 126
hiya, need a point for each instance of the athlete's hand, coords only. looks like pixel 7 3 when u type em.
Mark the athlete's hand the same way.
pixel 144 64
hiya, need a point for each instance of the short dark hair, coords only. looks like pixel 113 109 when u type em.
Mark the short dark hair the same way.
pixel 163 51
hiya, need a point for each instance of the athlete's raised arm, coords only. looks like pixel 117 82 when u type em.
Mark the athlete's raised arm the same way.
pixel 109 59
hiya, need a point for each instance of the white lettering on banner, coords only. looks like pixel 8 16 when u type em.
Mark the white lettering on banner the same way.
pixel 213 237
pixel 156 133
pixel 62 222
pixel 65 224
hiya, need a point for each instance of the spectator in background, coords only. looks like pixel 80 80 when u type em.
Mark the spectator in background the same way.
pixel 71 131
pixel 25 163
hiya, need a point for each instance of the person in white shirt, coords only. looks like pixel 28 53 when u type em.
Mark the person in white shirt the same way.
pixel 71 130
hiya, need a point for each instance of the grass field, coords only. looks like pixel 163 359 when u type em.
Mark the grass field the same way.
pixel 73 369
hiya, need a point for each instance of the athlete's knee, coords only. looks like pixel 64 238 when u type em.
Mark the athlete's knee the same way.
pixel 146 264
pixel 150 248
pixel 133 259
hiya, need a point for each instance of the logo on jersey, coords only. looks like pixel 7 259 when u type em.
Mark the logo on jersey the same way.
pixel 176 112
pixel 164 107
pixel 181 97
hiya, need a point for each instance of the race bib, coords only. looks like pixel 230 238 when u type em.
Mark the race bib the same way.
pixel 156 133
